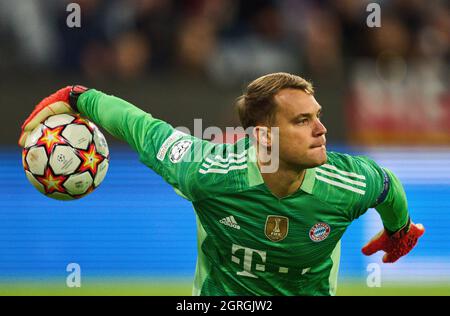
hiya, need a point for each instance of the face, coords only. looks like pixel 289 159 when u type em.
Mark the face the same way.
pixel 301 133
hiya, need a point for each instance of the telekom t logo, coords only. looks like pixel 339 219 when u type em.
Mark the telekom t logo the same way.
pixel 248 258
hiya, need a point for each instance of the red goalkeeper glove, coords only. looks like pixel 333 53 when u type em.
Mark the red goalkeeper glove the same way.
pixel 60 102
pixel 395 244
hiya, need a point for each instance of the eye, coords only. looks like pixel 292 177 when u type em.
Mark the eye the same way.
pixel 319 115
pixel 302 121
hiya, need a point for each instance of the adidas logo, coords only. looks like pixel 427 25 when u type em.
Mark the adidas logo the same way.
pixel 230 221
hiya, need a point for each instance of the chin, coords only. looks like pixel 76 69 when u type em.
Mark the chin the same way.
pixel 319 159
pixel 312 159
pixel 323 161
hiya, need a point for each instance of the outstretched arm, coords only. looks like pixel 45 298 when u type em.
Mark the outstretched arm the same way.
pixel 118 117
pixel 158 144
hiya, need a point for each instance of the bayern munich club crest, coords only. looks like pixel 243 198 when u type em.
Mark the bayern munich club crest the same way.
pixel 319 232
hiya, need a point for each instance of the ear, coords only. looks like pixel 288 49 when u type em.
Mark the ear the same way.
pixel 262 135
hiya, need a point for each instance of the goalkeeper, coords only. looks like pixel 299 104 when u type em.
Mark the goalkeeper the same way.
pixel 262 230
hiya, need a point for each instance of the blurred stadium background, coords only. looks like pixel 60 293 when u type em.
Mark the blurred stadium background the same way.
pixel 384 91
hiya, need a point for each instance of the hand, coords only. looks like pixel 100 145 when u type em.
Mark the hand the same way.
pixel 396 244
pixel 60 102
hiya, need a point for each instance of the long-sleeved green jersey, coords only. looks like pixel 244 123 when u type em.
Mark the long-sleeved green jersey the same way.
pixel 251 242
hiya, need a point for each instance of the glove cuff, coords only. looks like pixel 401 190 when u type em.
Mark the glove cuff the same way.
pixel 400 232
pixel 75 92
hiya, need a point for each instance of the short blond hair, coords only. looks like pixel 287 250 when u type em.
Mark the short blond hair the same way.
pixel 257 104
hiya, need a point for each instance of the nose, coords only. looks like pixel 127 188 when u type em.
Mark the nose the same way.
pixel 319 128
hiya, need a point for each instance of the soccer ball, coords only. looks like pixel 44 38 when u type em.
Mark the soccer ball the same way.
pixel 66 157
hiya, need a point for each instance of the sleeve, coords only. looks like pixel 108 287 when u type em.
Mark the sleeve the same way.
pixel 384 192
pixel 174 155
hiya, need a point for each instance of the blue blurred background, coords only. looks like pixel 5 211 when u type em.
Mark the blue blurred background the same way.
pixel 384 91
pixel 135 226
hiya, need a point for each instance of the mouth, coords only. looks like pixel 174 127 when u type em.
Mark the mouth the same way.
pixel 319 145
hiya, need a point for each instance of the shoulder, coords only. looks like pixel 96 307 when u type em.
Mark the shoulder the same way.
pixel 225 159
pixel 359 167
pixel 223 169
pixel 342 172
pixel 346 181
pixel 352 184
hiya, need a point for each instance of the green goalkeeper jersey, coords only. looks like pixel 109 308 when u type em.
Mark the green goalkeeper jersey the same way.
pixel 251 242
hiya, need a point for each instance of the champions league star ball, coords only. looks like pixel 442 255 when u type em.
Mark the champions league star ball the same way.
pixel 66 157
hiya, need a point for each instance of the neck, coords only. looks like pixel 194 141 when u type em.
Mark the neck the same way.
pixel 285 181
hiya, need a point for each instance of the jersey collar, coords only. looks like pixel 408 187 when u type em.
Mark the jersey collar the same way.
pixel 308 181
pixel 255 178
pixel 254 175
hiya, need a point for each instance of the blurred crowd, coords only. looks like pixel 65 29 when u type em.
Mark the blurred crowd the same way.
pixel 225 40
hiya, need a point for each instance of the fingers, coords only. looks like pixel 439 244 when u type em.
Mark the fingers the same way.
pixel 405 246
pixel 375 244
pixel 390 258
pixel 23 139
pixel 371 247
pixel 37 117
pixel 48 107
pixel 418 229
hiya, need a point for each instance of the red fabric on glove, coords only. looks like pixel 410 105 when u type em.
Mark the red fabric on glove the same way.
pixel 396 245
pixel 62 101
pixel 60 95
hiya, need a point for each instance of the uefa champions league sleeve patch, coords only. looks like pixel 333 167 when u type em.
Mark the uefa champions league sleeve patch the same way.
pixel 167 143
pixel 179 150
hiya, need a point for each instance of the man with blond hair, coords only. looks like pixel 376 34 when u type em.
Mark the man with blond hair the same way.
pixel 271 208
